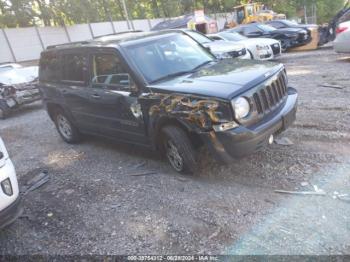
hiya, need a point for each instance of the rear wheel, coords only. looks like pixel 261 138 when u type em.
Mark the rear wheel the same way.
pixel 179 150
pixel 65 128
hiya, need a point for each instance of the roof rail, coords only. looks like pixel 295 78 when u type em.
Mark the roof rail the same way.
pixel 68 44
pixel 120 33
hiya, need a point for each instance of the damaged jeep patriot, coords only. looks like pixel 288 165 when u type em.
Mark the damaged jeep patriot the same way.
pixel 165 91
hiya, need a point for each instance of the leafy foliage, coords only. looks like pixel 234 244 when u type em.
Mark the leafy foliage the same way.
pixel 23 13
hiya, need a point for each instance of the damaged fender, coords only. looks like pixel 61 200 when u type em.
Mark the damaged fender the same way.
pixel 196 114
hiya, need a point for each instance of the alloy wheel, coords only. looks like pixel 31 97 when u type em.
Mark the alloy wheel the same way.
pixel 174 156
pixel 64 127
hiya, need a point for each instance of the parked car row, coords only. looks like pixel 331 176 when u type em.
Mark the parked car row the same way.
pixel 258 48
pixel 288 36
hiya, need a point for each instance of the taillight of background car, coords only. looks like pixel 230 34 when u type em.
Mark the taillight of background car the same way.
pixel 341 29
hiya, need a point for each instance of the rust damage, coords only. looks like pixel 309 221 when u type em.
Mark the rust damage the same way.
pixel 201 112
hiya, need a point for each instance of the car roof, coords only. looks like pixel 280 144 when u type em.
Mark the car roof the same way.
pixel 110 40
pixel 247 25
pixel 13 65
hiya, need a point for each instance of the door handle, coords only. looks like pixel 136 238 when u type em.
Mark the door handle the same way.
pixel 96 96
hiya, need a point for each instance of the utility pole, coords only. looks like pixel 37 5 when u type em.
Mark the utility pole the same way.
pixel 305 14
pixel 126 13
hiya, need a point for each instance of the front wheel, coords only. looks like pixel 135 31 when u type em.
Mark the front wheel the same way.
pixel 179 150
pixel 65 128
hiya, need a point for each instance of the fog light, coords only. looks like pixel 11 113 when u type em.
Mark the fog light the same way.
pixel 225 126
pixel 7 187
pixel 271 139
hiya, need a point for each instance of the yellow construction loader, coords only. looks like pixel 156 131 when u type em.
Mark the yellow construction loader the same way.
pixel 253 12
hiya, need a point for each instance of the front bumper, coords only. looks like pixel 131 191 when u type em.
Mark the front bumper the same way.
pixel 10 213
pixel 242 141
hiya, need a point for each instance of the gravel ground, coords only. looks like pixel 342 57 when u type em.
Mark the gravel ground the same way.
pixel 93 205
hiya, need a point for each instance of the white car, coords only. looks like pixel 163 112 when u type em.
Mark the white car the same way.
pixel 220 49
pixel 258 48
pixel 10 207
pixel 8 66
pixel 342 41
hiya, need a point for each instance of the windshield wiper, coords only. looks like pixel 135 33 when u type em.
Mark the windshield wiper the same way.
pixel 181 72
pixel 171 76
pixel 202 64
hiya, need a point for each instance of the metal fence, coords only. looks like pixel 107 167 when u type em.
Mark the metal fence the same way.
pixel 25 44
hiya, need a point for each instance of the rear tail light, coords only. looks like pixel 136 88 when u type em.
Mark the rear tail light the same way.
pixel 341 29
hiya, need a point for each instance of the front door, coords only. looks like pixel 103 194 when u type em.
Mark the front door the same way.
pixel 114 106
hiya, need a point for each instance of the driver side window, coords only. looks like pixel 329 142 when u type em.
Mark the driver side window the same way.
pixel 251 30
pixel 108 72
pixel 277 25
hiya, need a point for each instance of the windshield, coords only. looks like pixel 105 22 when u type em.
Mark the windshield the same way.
pixel 290 23
pixel 232 36
pixel 168 56
pixel 5 68
pixel 266 28
pixel 199 37
pixel 19 75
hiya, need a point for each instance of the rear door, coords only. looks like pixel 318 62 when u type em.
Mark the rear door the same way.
pixel 113 102
pixel 74 87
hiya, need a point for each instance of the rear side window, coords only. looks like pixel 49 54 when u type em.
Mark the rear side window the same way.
pixel 108 71
pixel 49 67
pixel 276 24
pixel 74 67
pixel 250 29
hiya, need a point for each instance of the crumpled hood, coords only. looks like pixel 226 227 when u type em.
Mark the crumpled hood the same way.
pixel 19 75
pixel 219 47
pixel 223 79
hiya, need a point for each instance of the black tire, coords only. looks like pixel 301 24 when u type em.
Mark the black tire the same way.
pixel 4 109
pixel 68 132
pixel 175 139
pixel 284 46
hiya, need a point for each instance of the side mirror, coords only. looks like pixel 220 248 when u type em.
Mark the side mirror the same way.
pixel 208 48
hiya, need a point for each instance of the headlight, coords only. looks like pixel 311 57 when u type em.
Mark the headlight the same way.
pixel 241 107
pixel 7 187
pixel 292 35
pixel 223 55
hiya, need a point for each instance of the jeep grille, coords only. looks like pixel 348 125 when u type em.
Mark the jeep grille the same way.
pixel 266 98
pixel 271 95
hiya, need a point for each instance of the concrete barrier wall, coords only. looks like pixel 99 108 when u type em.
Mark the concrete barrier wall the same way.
pixel 79 32
pixel 5 51
pixel 104 28
pixel 27 43
pixel 53 35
